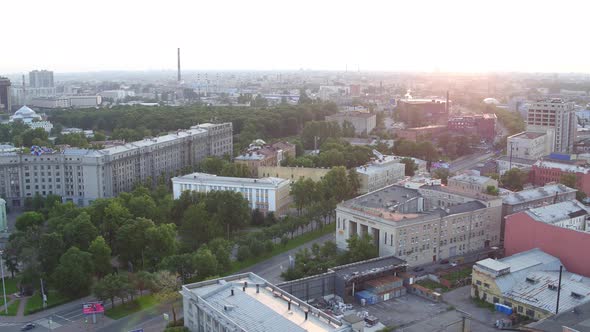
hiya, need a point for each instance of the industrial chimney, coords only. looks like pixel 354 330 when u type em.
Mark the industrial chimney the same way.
pixel 179 78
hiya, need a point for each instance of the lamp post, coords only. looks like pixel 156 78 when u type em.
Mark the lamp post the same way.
pixel 3 284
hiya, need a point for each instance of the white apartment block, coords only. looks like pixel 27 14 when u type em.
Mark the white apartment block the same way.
pixel 266 194
pixel 380 173
pixel 530 145
pixel 557 115
pixel 421 225
pixel 568 214
pixel 84 175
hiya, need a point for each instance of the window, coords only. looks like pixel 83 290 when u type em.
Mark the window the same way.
pixel 478 282
pixel 486 285
pixel 530 313
pixel 496 300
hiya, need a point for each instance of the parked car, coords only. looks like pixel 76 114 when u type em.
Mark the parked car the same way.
pixel 453 264
pixel 444 261
pixel 28 326
pixel 418 269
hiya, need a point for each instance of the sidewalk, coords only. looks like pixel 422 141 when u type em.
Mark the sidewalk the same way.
pixel 21 318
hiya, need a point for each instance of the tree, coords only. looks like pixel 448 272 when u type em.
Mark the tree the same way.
pixel 443 174
pixel 51 247
pixel 411 166
pixel 110 287
pixel 161 242
pixel 257 217
pixel 205 262
pixel 492 190
pixel 569 179
pixel 142 206
pixel 101 256
pixel 166 288
pixel 183 265
pixel 115 214
pixel 73 275
pixel 198 227
pixel 360 248
pixel 221 248
pixel 80 232
pixel 28 220
pixel 142 280
pixel 514 179
pixel 303 192
pixel 132 241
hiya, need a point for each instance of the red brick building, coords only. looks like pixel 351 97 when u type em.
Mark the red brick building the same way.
pixel 421 133
pixel 526 231
pixel 483 125
pixel 544 172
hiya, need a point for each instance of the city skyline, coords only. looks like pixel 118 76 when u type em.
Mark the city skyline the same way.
pixel 456 36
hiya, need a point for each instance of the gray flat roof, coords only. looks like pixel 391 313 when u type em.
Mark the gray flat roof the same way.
pixel 367 267
pixel 557 212
pixel 211 178
pixel 528 195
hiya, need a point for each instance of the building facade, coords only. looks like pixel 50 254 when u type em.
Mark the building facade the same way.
pixel 557 115
pixel 258 155
pixel 421 133
pixel 482 125
pixel 420 112
pixel 292 173
pixel 362 122
pixel 421 225
pixel 41 79
pixel 5 94
pixel 380 173
pixel 559 229
pixel 544 172
pixel 266 194
pixel 527 284
pixel 82 175
pixel 530 145
pixel 471 183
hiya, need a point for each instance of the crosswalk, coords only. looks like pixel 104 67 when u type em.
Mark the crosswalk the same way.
pixel 47 323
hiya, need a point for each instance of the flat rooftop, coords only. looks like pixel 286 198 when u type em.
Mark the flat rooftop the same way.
pixel 557 212
pixel 529 195
pixel 368 267
pixel 527 135
pixel 351 114
pixel 263 311
pixel 469 178
pixel 211 178
pixel 562 166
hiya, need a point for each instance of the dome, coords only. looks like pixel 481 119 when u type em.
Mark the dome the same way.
pixel 25 111
pixel 491 101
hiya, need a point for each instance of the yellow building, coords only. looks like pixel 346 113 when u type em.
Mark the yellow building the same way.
pixel 528 282
pixel 292 173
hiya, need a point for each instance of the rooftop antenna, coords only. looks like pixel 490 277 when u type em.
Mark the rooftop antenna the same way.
pixel 179 78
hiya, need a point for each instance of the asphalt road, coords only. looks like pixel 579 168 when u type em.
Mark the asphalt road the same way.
pixel 272 268
pixel 470 161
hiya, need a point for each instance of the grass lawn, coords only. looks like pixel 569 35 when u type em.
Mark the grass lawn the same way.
pixel 10 288
pixel 459 274
pixel 12 308
pixel 138 304
pixel 35 302
pixel 432 285
pixel 279 249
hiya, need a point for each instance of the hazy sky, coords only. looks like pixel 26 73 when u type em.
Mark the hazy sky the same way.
pixel 471 35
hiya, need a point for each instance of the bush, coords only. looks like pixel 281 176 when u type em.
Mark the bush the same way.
pixel 268 245
pixel 243 252
pixel 177 329
pixel 178 322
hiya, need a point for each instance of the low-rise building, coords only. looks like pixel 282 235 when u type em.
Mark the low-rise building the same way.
pixel 505 163
pixel 246 302
pixel 362 122
pixel 536 197
pixel 482 125
pixel 471 183
pixel 380 173
pixel 421 133
pixel 266 194
pixel 292 173
pixel 421 225
pixel 560 229
pixel 527 284
pixel 530 145
pixel 30 118
pixel 544 171
pixel 260 154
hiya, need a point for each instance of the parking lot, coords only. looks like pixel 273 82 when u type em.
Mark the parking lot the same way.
pixel 411 313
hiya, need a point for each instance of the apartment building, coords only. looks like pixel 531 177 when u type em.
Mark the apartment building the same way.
pixel 471 183
pixel 363 122
pixel 260 154
pixel 557 115
pixel 266 194
pixel 536 197
pixel 380 173
pixel 560 229
pixel 530 145
pixel 527 284
pixel 84 175
pixel 544 172
pixel 421 225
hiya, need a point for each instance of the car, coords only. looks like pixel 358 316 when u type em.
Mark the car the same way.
pixel 444 261
pixel 418 269
pixel 28 326
pixel 453 264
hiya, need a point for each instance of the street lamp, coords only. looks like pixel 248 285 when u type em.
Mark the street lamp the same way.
pixel 3 284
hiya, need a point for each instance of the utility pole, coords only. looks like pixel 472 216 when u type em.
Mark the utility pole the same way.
pixel 558 290
pixel 3 284
pixel 510 167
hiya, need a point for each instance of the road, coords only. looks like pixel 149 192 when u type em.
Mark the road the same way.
pixel 467 162
pixel 272 268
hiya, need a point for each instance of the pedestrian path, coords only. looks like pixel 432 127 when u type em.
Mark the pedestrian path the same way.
pixel 8 324
pixel 47 323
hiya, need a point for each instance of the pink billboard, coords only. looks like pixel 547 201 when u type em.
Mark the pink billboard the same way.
pixel 92 308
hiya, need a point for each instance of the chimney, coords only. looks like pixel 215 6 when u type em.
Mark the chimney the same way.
pixel 232 292
pixel 289 305
pixel 179 78
pixel 306 313
pixel 257 288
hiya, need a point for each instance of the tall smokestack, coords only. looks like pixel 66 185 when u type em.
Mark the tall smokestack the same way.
pixel 179 78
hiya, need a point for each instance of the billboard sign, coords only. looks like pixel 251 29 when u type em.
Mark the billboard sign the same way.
pixel 92 308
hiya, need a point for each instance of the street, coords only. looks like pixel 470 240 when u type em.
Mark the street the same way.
pixel 467 162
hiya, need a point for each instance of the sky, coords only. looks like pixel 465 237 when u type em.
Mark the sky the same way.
pixel 411 35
